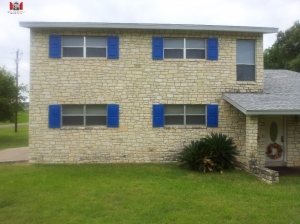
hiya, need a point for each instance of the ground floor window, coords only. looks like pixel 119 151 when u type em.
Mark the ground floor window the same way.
pixel 84 115
pixel 185 114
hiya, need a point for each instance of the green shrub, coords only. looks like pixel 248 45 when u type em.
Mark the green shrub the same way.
pixel 196 156
pixel 214 152
pixel 224 150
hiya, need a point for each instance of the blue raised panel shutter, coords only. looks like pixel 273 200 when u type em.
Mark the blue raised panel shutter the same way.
pixel 54 46
pixel 158 115
pixel 54 115
pixel 157 48
pixel 212 48
pixel 113 47
pixel 112 115
pixel 212 115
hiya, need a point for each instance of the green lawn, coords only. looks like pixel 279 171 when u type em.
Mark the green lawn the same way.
pixel 10 139
pixel 141 193
pixel 23 117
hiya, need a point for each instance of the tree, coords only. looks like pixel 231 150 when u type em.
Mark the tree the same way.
pixel 285 52
pixel 9 92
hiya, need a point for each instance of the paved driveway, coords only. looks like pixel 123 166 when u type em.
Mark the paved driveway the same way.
pixel 12 125
pixel 14 155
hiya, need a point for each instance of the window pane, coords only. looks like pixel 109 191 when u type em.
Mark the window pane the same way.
pixel 195 109
pixel 72 41
pixel 95 120
pixel 195 43
pixel 245 52
pixel 96 109
pixel 173 120
pixel 72 120
pixel 96 52
pixel 173 53
pixel 192 119
pixel 196 54
pixel 72 109
pixel 96 41
pixel 174 109
pixel 245 72
pixel 73 52
pixel 173 43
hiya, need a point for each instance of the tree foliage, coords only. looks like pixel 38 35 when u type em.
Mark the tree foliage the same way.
pixel 8 94
pixel 285 52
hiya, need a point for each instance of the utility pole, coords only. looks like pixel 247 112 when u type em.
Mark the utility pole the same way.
pixel 17 77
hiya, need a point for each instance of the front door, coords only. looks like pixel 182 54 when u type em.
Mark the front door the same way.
pixel 274 148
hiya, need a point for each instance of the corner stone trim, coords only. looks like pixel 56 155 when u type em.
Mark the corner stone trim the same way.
pixel 267 175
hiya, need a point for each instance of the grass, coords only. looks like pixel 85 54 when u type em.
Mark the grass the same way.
pixel 23 117
pixel 10 139
pixel 141 193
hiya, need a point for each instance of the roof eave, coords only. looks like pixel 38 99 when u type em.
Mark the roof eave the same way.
pixel 148 26
pixel 236 105
pixel 261 112
pixel 272 112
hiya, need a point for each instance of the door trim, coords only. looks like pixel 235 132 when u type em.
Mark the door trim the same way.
pixel 278 163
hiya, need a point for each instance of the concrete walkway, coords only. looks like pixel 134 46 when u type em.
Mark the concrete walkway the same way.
pixel 14 155
pixel 12 125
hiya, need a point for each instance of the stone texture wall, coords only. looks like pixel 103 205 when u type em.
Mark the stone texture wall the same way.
pixel 261 138
pixel 251 139
pixel 293 140
pixel 135 82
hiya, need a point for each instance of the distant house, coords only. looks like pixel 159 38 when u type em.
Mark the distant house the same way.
pixel 109 92
pixel 25 105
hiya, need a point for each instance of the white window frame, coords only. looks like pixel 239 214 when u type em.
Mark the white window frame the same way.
pixel 254 42
pixel 184 114
pixel 185 48
pixel 84 47
pixel 84 114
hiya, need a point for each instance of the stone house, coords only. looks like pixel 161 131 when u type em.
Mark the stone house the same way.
pixel 110 92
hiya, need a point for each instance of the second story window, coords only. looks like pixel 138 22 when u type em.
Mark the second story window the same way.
pixel 245 60
pixel 78 46
pixel 184 48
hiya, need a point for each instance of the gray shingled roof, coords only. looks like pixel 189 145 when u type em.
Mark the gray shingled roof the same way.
pixel 281 95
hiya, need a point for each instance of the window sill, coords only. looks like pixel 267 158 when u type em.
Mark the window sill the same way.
pixel 246 82
pixel 185 126
pixel 82 58
pixel 181 59
pixel 83 127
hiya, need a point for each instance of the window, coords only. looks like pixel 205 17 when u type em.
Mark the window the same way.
pixel 77 46
pixel 186 48
pixel 84 115
pixel 184 114
pixel 80 46
pixel 245 60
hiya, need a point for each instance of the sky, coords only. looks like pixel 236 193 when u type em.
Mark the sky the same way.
pixel 261 13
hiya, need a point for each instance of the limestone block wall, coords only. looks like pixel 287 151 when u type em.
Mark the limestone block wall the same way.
pixel 251 138
pixel 293 140
pixel 135 82
pixel 261 138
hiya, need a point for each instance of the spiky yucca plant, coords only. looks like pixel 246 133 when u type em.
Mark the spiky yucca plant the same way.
pixel 196 156
pixel 224 150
